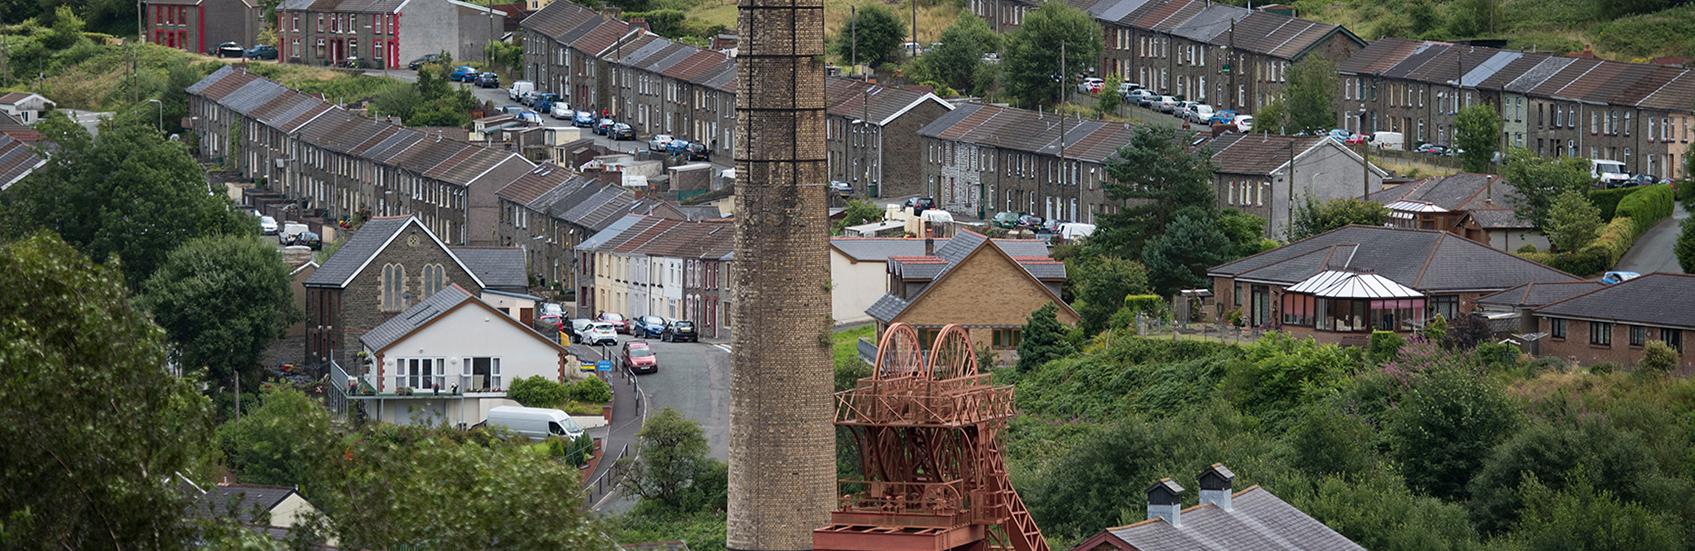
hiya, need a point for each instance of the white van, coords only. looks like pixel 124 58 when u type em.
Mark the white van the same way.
pixel 291 230
pixel 519 89
pixel 1393 141
pixel 1608 173
pixel 535 423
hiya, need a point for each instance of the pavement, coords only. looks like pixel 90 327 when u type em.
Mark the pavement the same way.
pixel 693 378
pixel 1653 251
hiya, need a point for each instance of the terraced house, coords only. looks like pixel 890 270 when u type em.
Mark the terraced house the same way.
pixel 251 124
pixel 382 33
pixel 648 265
pixel 550 210
pixel 981 159
pixel 1638 114
pixel 666 87
pixel 563 47
pixel 199 26
pixel 871 135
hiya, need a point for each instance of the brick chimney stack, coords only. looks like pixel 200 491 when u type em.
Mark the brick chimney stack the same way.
pixel 782 440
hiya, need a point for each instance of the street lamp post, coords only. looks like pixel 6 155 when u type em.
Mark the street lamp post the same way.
pixel 161 109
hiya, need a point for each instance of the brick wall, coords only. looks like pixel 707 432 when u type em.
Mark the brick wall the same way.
pixel 1576 344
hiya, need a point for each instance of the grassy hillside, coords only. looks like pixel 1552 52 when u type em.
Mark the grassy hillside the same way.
pixel 1624 30
pixel 933 15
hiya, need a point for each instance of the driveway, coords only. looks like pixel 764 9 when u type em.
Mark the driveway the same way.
pixel 1653 250
pixel 694 379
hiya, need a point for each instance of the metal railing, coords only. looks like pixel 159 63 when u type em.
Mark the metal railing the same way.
pixel 867 351
pixel 608 480
pixel 931 498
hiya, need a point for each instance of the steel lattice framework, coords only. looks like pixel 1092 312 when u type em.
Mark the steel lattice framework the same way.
pixel 927 426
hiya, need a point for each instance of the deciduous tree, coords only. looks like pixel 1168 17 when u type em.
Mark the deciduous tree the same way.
pixel 1033 75
pixel 879 33
pixel 958 62
pixel 1540 180
pixel 1573 221
pixel 672 459
pixel 1477 132
pixel 281 441
pixel 1099 285
pixel 221 300
pixel 1685 248
pixel 1313 218
pixel 1308 102
pixel 96 429
pixel 1445 430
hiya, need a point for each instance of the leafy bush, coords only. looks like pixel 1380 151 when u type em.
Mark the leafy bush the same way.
pixel 1384 345
pixel 1494 354
pixel 1279 372
pixel 1648 206
pixel 1658 356
pixel 1527 248
pixel 1685 247
pixel 537 392
pixel 1444 431
pixel 592 390
pixel 1586 262
pixel 1608 199
pixel 1616 238
pixel 574 451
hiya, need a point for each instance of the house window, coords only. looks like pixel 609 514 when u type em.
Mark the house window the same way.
pixel 421 373
pixel 1638 336
pixel 1600 333
pixel 1446 306
pixel 1672 337
pixel 1557 328
pixel 481 374
pixel 435 277
pixel 394 285
pixel 1007 339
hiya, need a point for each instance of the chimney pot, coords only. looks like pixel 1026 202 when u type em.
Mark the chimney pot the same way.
pixel 929 246
pixel 1215 484
pixel 1165 502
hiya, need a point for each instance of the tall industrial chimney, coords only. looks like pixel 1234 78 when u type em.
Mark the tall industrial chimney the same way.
pixel 782 440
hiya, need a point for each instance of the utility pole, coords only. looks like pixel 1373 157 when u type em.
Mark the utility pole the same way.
pixel 1289 220
pixel 1365 170
pixel 1230 66
pixel 914 51
pixel 853 31
pixel 1061 112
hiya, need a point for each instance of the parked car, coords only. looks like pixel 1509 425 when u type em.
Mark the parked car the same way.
pixel 1200 113
pixel 268 225
pixel 423 60
pixel 579 328
pixel 1607 173
pixel 1165 104
pixel 529 117
pixel 1611 278
pixel 534 423
pixel 696 151
pixel 1091 85
pixel 841 189
pixel 1005 220
pixel 621 131
pixel 463 73
pixel 639 358
pixel 544 101
pixel 680 331
pixel 1124 88
pixel 261 51
pixel 1139 96
pixel 1029 221
pixel 648 327
pixel 1222 116
pixel 601 333
pixel 659 142
pixel 919 204
pixel 1642 180
pixel 617 320
pixel 677 146
pixel 583 119
pixel 519 89
pixel 551 322
pixel 604 126
pixel 289 230
pixel 306 239
pixel 561 111
pixel 1244 123
pixel 488 80
pixel 230 49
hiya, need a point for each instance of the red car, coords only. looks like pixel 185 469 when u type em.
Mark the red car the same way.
pixel 639 358
pixel 617 320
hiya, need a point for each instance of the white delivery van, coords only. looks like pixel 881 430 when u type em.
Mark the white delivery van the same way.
pixel 1393 141
pixel 1608 173
pixel 519 89
pixel 291 230
pixel 535 423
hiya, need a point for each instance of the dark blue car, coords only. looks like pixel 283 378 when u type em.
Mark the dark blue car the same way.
pixel 584 119
pixel 649 327
pixel 463 73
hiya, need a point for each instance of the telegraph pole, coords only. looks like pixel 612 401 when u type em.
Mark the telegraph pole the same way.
pixel 914 51
pixel 1061 112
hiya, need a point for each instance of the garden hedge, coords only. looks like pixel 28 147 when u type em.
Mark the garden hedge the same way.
pixel 1608 199
pixel 1648 206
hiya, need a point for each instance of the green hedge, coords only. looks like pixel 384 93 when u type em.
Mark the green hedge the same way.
pixel 1586 262
pixel 1608 199
pixel 1616 238
pixel 1648 206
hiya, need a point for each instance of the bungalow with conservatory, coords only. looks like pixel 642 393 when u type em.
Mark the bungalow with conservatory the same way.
pixel 1341 285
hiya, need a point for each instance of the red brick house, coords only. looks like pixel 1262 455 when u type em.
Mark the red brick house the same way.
pixel 1613 323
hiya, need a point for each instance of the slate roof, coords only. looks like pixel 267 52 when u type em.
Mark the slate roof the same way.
pixel 418 315
pixel 855 99
pixel 932 268
pixel 1426 260
pixel 1029 131
pixel 365 243
pixel 664 237
pixel 1595 81
pixel 557 18
pixel 1532 295
pixel 17 160
pixel 17 130
pixel 877 249
pixel 267 102
pixel 1258 154
pixel 1257 519
pixel 242 499
pixel 1654 299
pixel 498 267
pixel 886 308
pixel 538 181
pixel 1463 191
pixel 355 6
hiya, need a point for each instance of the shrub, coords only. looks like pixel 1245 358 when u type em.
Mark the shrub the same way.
pixel 1384 345
pixel 1152 305
pixel 1685 247
pixel 1616 238
pixel 1437 329
pixel 1648 206
pixel 592 390
pixel 537 392
pixel 1527 248
pixel 1608 199
pixel 1589 261
pixel 1495 354
pixel 1658 356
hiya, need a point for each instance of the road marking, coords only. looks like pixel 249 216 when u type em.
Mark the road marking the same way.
pixel 724 347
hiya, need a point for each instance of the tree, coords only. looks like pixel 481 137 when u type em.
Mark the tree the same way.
pixel 1245 231
pixel 1376 511
pixel 95 428
pixel 1539 180
pixel 1309 99
pixel 1444 431
pixel 1108 100
pixel 1658 357
pixel 1467 18
pixel 1156 175
pixel 1685 248
pixel 1099 285
pixel 1557 455
pixel 1178 257
pixel 538 392
pixel 958 62
pixel 1033 75
pixel 281 441
pixel 879 33
pixel 1329 442
pixel 1477 132
pixel 1042 339
pixel 1584 518
pixel 1573 221
pixel 66 30
pixel 404 487
pixel 131 195
pixel 221 300
pixel 1313 218
pixel 671 459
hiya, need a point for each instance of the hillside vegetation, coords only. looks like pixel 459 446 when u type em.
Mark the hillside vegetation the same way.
pixel 1623 30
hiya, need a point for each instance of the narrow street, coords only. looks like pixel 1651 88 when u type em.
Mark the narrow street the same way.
pixel 1653 252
